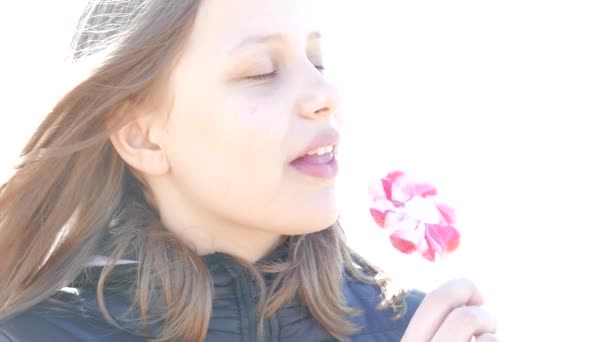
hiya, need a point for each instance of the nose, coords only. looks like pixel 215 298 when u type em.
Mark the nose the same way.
pixel 320 100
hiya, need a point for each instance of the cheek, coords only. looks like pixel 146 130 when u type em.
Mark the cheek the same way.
pixel 268 123
pixel 251 111
pixel 263 139
pixel 259 115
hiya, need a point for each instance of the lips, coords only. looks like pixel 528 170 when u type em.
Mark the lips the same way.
pixel 324 140
pixel 318 159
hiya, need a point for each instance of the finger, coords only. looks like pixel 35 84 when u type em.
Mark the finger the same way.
pixel 487 338
pixel 465 322
pixel 436 306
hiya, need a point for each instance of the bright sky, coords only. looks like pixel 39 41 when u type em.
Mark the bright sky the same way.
pixel 501 104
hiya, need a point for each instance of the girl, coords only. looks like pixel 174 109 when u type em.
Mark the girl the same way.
pixel 185 191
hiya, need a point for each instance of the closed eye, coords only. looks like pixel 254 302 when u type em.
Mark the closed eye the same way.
pixel 275 73
pixel 263 76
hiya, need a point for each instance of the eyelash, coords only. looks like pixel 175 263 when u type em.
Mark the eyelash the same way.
pixel 269 75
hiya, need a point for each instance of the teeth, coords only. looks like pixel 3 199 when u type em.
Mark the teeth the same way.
pixel 322 150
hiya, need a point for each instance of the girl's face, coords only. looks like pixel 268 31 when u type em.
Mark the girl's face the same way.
pixel 248 102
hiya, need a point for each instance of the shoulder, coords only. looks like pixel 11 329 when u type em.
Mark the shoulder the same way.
pixel 65 317
pixel 379 323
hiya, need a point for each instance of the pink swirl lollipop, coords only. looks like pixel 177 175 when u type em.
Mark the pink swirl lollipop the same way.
pixel 411 216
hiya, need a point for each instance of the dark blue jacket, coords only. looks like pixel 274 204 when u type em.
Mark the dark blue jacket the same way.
pixel 73 314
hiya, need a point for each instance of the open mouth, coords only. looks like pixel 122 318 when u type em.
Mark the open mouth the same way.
pixel 320 162
pixel 321 155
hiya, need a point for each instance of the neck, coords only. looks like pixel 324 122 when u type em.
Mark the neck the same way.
pixel 208 232
pixel 247 244
pixel 213 235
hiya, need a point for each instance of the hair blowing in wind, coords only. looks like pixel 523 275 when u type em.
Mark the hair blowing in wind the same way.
pixel 72 197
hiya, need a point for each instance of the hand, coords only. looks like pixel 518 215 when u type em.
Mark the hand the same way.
pixel 452 313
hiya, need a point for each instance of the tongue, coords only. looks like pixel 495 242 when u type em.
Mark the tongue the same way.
pixel 315 158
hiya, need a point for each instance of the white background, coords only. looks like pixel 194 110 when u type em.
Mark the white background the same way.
pixel 502 105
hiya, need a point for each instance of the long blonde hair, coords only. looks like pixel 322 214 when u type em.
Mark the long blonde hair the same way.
pixel 72 197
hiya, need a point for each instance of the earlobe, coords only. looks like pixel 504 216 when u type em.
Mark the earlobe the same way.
pixel 134 144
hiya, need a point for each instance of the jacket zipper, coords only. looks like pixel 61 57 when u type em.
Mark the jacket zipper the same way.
pixel 253 311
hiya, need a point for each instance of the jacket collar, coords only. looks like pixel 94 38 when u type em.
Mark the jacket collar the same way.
pixel 223 267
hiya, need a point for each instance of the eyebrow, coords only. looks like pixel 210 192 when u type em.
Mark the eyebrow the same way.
pixel 264 39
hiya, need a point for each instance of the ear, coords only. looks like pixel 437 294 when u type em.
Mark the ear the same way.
pixel 139 145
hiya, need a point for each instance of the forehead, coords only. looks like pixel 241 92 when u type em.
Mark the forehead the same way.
pixel 225 23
